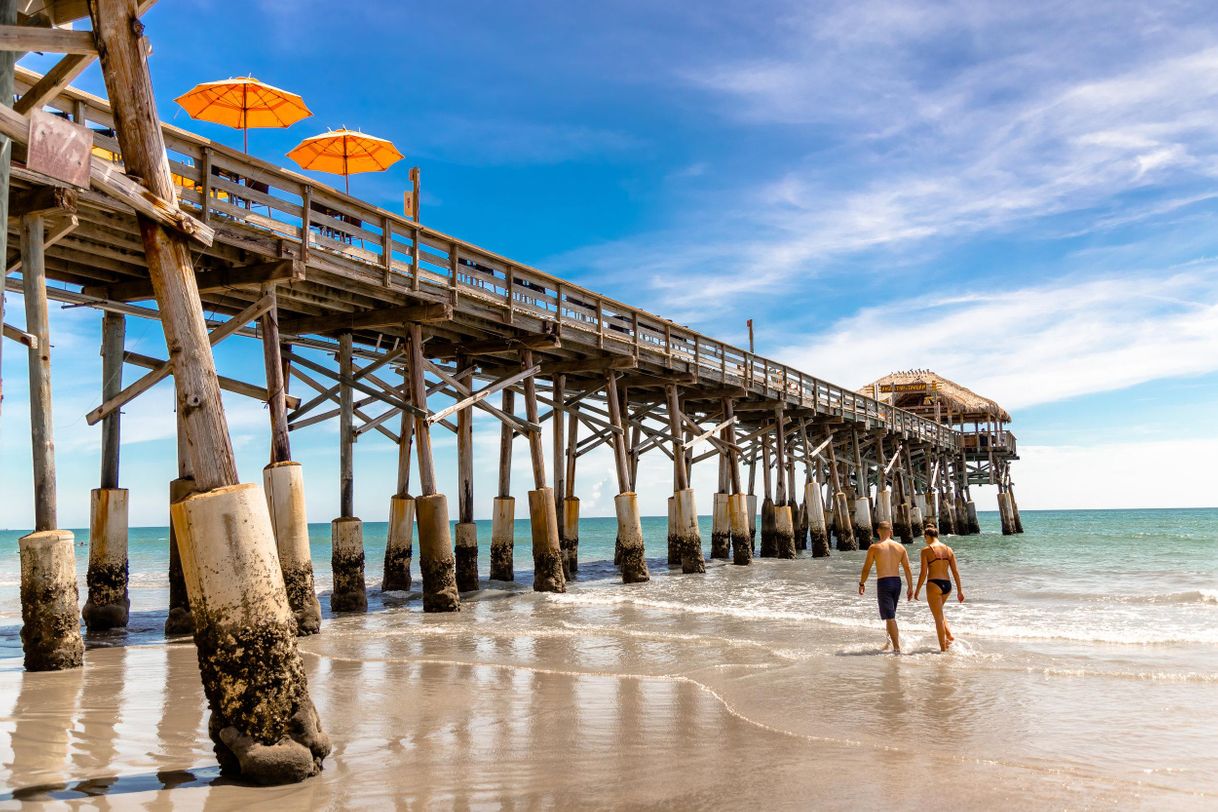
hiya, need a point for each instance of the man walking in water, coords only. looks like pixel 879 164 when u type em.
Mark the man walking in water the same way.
pixel 888 556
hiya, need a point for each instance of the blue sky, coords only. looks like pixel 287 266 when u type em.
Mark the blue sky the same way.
pixel 1020 196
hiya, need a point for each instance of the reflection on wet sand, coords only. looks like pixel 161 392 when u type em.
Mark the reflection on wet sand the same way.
pixel 562 701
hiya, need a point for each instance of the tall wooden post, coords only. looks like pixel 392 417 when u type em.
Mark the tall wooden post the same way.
pixel 687 537
pixel 842 526
pixel 399 540
pixel 436 562
pixel 253 633
pixel 626 504
pixel 739 511
pixel 283 482
pixel 347 531
pixel 543 515
pixel 784 522
pixel 569 527
pixel 50 631
pixel 769 542
pixel 503 518
pixel 467 530
pixel 8 59
pixel 864 531
pixel 108 605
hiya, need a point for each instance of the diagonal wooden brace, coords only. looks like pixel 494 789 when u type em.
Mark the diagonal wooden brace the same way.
pixel 162 372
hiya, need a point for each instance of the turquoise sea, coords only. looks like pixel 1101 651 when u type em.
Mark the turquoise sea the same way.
pixel 1084 675
pixel 1142 577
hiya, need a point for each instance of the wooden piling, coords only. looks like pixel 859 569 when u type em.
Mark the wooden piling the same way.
pixel 436 561
pixel 543 515
pixel 769 543
pixel 50 631
pixel 467 531
pixel 503 517
pixel 283 483
pixel 350 592
pixel 784 521
pixel 108 605
pixel 626 506
pixel 399 540
pixel 569 526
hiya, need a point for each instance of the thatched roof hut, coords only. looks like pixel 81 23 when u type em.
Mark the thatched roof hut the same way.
pixel 930 395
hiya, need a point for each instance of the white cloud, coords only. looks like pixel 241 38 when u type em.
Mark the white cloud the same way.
pixel 1115 475
pixel 932 125
pixel 1035 344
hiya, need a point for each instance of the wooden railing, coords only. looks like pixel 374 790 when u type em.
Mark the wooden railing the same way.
pixel 331 230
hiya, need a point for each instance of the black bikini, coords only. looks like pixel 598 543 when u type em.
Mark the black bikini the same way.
pixel 945 586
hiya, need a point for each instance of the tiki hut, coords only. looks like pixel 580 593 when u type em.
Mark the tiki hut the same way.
pixel 932 396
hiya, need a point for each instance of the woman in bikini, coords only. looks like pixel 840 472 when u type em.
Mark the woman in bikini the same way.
pixel 937 560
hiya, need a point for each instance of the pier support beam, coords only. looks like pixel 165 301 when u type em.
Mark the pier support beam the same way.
pixel 1004 513
pixel 568 539
pixel 347 531
pixel 283 482
pixel 1018 522
pixel 399 540
pixel 843 529
pixel 685 536
pixel 721 529
pixel 816 520
pixel 626 505
pixel 467 531
pixel 263 721
pixel 436 562
pixel 864 530
pixel 784 522
pixel 108 605
pixel 503 510
pixel 50 631
pixel 769 543
pixel 179 620
pixel 543 514
pixel 738 517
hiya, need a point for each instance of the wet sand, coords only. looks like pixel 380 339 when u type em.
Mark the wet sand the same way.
pixel 650 696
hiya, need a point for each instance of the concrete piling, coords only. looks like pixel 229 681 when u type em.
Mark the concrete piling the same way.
pixel 50 630
pixel 751 502
pixel 569 536
pixel 769 544
pixel 467 557
pixel 399 545
pixel 842 526
pixel 970 509
pixel 674 550
pixel 503 538
pixel 630 535
pixel 108 604
pixel 283 483
pixel 721 530
pixel 863 529
pixel 688 536
pixel 347 562
pixel 784 532
pixel 263 722
pixel 547 554
pixel 436 562
pixel 817 529
pixel 738 516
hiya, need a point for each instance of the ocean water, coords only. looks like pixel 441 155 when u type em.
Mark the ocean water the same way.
pixel 1085 674
pixel 1138 577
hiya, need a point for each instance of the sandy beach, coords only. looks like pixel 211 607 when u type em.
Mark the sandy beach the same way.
pixel 708 692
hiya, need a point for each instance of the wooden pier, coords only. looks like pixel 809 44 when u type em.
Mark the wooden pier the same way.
pixel 387 326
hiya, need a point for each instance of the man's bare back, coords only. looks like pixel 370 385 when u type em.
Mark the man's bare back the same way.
pixel 889 556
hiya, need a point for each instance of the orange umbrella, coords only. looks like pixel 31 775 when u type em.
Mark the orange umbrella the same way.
pixel 244 102
pixel 345 152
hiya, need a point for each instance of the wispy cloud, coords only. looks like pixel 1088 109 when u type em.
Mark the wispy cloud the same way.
pixel 930 125
pixel 1036 344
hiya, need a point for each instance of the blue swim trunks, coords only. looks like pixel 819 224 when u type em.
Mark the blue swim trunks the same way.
pixel 888 592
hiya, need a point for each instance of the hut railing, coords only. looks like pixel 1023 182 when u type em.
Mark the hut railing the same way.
pixel 281 212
